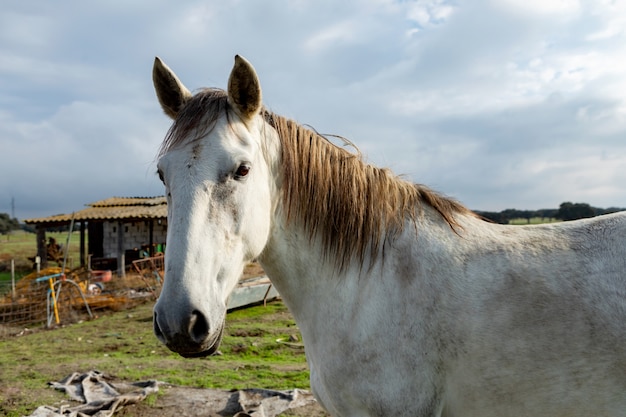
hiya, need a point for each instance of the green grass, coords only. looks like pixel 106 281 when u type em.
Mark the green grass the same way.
pixel 123 345
pixel 533 220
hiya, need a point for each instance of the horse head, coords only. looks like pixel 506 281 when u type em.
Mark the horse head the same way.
pixel 215 167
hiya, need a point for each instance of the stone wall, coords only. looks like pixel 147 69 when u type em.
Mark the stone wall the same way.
pixel 136 235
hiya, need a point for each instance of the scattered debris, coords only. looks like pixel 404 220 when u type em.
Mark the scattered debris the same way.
pixel 100 396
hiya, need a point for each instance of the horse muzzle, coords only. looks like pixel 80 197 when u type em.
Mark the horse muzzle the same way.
pixel 193 338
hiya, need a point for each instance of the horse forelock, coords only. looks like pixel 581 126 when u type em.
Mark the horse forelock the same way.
pixel 351 205
pixel 197 117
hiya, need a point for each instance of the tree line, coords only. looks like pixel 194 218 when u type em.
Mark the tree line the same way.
pixel 566 211
pixel 7 224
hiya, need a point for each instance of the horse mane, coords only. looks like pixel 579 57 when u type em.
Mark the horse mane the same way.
pixel 351 205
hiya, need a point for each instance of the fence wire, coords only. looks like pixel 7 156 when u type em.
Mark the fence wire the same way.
pixel 53 297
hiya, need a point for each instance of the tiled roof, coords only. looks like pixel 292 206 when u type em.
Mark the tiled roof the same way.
pixel 114 208
pixel 129 201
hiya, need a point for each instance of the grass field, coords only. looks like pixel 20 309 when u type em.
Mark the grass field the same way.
pixel 123 345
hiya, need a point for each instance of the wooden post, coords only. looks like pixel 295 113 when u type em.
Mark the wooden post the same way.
pixel 121 268
pixel 151 236
pixel 13 277
pixel 42 250
pixel 82 243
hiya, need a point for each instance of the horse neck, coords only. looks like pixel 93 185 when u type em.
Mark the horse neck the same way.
pixel 297 266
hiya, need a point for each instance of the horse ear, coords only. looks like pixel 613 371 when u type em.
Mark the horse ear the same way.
pixel 171 92
pixel 244 88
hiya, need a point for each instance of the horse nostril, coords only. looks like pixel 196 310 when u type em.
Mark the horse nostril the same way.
pixel 198 327
pixel 157 330
pixel 195 330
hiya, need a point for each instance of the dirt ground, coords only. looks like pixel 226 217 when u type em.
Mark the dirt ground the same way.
pixel 173 400
pixel 176 401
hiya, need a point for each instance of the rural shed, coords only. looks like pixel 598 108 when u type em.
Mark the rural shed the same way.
pixel 119 229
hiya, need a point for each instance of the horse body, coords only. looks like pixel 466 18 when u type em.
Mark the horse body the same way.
pixel 530 325
pixel 444 315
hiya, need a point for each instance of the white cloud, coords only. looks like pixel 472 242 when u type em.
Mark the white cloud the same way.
pixel 345 33
pixel 429 13
pixel 500 103
pixel 543 8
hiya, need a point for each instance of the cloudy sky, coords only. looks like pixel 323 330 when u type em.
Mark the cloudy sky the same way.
pixel 500 104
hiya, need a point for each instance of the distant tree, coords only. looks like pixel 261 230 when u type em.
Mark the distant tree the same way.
pixel 510 214
pixel 574 211
pixel 608 210
pixel 566 211
pixel 7 224
pixel 28 228
pixel 495 217
pixel 527 214
pixel 546 213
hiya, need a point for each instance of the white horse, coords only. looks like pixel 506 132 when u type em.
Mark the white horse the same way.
pixel 408 303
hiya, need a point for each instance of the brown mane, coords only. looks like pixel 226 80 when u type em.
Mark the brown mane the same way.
pixel 352 206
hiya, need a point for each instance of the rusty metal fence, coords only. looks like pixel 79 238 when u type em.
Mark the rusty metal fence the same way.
pixel 54 297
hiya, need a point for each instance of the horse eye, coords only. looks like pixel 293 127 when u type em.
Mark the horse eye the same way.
pixel 242 171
